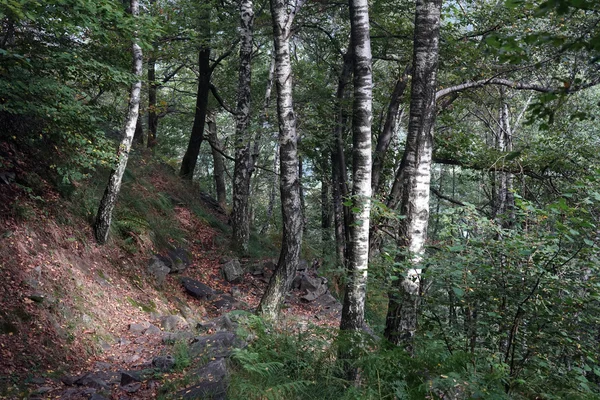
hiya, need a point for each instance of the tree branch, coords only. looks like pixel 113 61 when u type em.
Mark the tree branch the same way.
pixel 216 95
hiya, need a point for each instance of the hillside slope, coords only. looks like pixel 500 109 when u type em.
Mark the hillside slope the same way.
pixel 68 305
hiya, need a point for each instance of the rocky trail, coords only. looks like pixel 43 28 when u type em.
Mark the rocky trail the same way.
pixel 126 321
pixel 141 360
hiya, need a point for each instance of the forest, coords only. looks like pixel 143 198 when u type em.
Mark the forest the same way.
pixel 432 164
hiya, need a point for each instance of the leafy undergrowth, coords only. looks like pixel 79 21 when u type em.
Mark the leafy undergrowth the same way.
pixel 66 303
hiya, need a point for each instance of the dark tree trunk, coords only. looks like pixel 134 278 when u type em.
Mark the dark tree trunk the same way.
pixel 242 173
pixel 289 257
pixel 188 164
pixel 401 322
pixel 138 136
pixel 338 164
pixel 389 127
pixel 218 160
pixel 152 105
pixel 109 200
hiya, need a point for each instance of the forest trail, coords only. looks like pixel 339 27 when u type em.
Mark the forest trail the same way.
pixel 80 321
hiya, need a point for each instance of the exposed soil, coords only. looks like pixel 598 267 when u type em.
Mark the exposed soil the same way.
pixel 66 304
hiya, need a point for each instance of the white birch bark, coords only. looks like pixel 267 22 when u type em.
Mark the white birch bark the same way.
pixel 283 13
pixel 355 293
pixel 243 160
pixel 108 202
pixel 401 321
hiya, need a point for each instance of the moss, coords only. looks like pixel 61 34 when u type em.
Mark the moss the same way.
pixel 149 307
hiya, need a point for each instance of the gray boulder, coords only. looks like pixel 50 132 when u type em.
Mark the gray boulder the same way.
pixel 197 289
pixel 232 271
pixel 158 270
pixel 180 260
pixel 163 363
pixel 172 323
pixel 221 344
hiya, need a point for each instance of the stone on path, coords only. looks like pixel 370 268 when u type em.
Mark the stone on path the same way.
pixel 197 289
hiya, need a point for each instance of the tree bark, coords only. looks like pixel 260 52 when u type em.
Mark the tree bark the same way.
pixel 152 106
pixel 188 164
pixel 281 280
pixel 389 127
pixel 108 202
pixel 338 164
pixel 401 322
pixel 242 172
pixel 355 293
pixel 218 160
pixel 272 193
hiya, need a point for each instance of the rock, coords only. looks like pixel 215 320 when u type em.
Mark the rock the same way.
pixel 102 366
pixel 158 270
pixel 69 380
pixel 180 260
pixel 296 282
pixel 38 381
pixel 232 271
pixel 132 387
pixel 197 289
pixel 37 297
pixel 235 292
pixel 172 337
pixel 43 389
pixel 224 303
pixel 163 363
pixel 270 265
pixel 213 371
pixel 302 265
pixel 173 322
pixel 139 328
pixel 315 294
pixel 222 323
pixel 97 396
pixel 205 390
pixel 218 345
pixel 153 330
pixel 128 377
pixel 309 283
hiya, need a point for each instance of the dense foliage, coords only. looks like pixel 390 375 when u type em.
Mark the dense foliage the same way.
pixel 509 300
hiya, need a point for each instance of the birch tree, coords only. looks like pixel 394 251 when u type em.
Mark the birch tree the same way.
pixel 109 199
pixel 354 300
pixel 243 157
pixel 401 322
pixel 283 15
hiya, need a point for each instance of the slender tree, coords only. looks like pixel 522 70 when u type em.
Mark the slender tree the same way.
pixel 283 15
pixel 355 293
pixel 218 159
pixel 243 158
pixel 107 204
pixel 188 164
pixel 401 322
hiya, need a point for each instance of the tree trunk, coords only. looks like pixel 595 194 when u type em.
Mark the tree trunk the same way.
pixel 338 164
pixel 218 161
pixel 389 127
pixel 281 280
pixel 152 96
pixel 325 207
pixel 107 204
pixel 272 193
pixel 401 322
pixel 355 293
pixel 242 172
pixel 188 164
pixel 138 136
